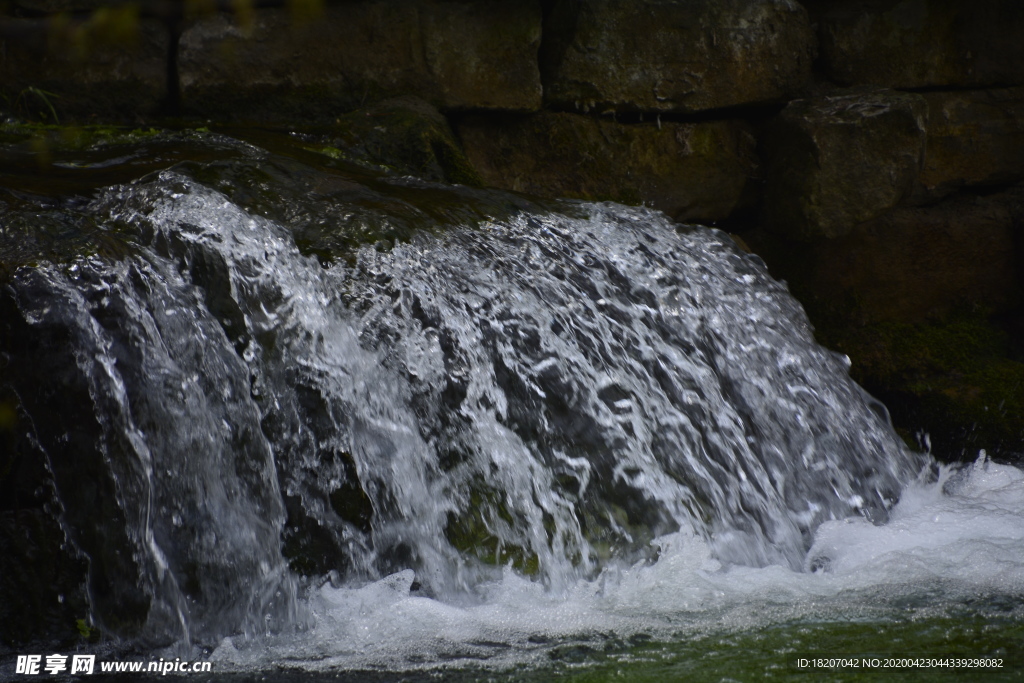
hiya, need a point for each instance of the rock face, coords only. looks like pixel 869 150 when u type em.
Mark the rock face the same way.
pixel 405 135
pixel 975 138
pixel 695 172
pixel 112 69
pixel 834 162
pixel 674 56
pixel 455 55
pixel 920 43
pixel 915 263
pixel 920 299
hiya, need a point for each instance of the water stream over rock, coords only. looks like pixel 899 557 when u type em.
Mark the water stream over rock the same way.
pixel 252 425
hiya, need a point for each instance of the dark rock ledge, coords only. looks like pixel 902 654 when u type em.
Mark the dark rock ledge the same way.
pixel 871 151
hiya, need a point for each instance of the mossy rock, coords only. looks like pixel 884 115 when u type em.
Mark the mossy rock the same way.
pixel 920 43
pixel 285 69
pixel 837 161
pixel 404 135
pixel 955 379
pixel 975 138
pixel 673 56
pixel 481 530
pixel 926 302
pixel 698 172
pixel 48 136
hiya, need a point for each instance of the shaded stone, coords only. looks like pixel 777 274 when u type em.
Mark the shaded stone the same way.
pixel 674 56
pixel 920 43
pixel 913 263
pixel 42 583
pixel 455 55
pixel 112 68
pixel 954 379
pixel 923 300
pixel 404 135
pixel 834 162
pixel 694 171
pixel 975 138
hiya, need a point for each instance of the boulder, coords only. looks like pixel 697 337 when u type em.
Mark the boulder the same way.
pixel 975 138
pixel 919 262
pixel 921 43
pixel 926 302
pixel 836 161
pixel 455 55
pixel 111 66
pixel 404 135
pixel 673 56
pixel 693 171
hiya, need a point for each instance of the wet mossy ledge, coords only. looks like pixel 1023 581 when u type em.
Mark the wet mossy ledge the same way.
pixel 871 152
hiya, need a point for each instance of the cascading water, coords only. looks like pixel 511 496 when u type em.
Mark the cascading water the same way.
pixel 517 410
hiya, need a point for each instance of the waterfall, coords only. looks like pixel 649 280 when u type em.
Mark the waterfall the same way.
pixel 225 419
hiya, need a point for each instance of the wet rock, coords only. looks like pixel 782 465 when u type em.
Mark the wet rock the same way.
pixel 694 172
pixel 920 43
pixel 834 162
pixel 919 299
pixel 975 138
pixel 404 135
pixel 914 262
pixel 455 55
pixel 674 56
pixel 112 68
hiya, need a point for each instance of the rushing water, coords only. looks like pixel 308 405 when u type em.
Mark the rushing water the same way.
pixel 296 418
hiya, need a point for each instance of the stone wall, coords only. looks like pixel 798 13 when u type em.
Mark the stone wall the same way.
pixel 869 150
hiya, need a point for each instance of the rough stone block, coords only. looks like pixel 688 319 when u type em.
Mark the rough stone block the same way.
pixel 975 138
pixel 111 69
pixel 921 43
pixel 404 135
pixel 455 55
pixel 694 172
pixel 834 162
pixel 674 56
pixel 920 262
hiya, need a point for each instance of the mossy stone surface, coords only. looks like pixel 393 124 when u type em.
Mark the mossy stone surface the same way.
pixel 920 43
pixel 692 171
pixel 406 136
pixel 928 304
pixel 956 380
pixel 280 68
pixel 975 139
pixel 833 162
pixel 673 56
pixel 913 263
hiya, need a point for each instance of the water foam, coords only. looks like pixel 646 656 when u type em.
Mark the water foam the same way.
pixel 949 542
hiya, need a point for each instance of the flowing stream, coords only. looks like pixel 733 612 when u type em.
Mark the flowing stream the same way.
pixel 293 417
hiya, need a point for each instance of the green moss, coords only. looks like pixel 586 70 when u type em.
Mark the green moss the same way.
pixel 71 137
pixel 953 378
pixel 773 653
pixel 405 136
pixel 479 529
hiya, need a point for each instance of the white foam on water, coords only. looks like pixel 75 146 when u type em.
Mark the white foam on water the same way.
pixel 948 542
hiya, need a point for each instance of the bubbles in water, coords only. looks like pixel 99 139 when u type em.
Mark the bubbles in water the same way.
pixel 567 413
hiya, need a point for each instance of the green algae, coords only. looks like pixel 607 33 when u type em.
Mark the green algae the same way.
pixel 404 136
pixel 480 528
pixel 954 378
pixel 74 137
pixel 912 649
